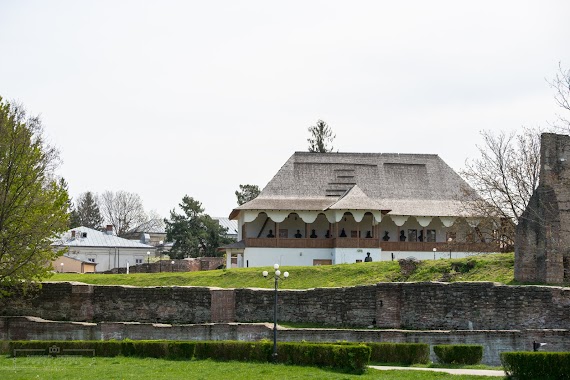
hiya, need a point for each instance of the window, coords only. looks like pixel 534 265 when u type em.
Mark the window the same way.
pixel 138 261
pixel 412 235
pixel 430 236
pixel 91 259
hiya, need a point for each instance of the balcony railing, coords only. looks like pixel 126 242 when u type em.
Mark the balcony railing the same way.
pixel 399 246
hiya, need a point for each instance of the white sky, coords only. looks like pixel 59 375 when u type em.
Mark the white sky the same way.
pixel 167 98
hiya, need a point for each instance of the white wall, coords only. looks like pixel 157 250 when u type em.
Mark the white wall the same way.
pixel 257 257
pixel 387 255
pixel 107 258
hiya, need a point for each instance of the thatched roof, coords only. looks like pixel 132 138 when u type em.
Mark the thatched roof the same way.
pixel 405 184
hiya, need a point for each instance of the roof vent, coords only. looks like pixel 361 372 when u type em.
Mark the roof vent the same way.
pixel 84 234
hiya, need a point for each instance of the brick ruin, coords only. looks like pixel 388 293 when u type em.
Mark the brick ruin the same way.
pixel 542 243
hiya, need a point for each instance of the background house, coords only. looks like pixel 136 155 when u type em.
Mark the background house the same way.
pixel 331 208
pixel 103 248
pixel 66 264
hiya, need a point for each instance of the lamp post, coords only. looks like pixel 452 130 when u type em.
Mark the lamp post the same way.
pixel 277 277
pixel 434 251
pixel 61 267
pixel 148 257
pixel 449 243
pixel 172 266
pixel 160 244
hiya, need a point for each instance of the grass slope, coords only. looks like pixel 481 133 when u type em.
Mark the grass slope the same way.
pixel 492 267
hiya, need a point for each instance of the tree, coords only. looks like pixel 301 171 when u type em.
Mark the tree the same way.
pixel 33 202
pixel 123 210
pixel 561 86
pixel 246 193
pixel 503 177
pixel 86 213
pixel 194 233
pixel 321 136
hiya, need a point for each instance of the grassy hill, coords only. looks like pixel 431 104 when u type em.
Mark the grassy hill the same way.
pixel 492 267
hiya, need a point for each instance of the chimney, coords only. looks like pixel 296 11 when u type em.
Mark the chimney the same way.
pixel 73 234
pixel 109 229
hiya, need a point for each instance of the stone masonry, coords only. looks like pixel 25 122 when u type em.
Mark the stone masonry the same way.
pixel 418 306
pixel 542 243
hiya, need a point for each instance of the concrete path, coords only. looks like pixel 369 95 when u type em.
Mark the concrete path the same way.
pixel 475 372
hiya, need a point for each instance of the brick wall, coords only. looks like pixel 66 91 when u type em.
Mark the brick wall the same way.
pixel 431 305
pixel 493 342
pixel 542 243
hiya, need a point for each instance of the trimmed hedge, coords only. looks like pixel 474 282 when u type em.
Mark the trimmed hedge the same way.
pixel 458 353
pixel 536 365
pixel 401 353
pixel 348 357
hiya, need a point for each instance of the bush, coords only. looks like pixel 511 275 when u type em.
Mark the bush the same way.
pixel 459 353
pixel 348 357
pixel 536 365
pixel 233 350
pixel 401 353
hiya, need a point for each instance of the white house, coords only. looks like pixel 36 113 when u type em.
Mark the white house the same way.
pixel 331 208
pixel 103 248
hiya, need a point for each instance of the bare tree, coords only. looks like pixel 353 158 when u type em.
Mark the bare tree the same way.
pixel 503 177
pixel 123 210
pixel 561 86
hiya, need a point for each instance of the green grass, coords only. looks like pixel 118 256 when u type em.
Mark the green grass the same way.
pixel 142 369
pixel 491 267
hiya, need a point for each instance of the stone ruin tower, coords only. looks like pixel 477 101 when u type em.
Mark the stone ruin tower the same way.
pixel 542 242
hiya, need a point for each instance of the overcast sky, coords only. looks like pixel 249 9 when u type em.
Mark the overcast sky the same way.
pixel 167 98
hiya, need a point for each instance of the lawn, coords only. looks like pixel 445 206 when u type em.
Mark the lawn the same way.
pixel 491 267
pixel 76 368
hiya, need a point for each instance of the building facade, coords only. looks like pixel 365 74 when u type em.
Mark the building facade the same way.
pixel 332 208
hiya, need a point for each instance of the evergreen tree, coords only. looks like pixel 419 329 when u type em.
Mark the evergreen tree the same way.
pixel 194 233
pixel 246 193
pixel 86 213
pixel 321 137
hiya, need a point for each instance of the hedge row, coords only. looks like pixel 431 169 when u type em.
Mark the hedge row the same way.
pixel 401 353
pixel 458 353
pixel 347 357
pixel 536 365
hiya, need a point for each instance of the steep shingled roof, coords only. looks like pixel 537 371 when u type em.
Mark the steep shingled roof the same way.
pixel 406 184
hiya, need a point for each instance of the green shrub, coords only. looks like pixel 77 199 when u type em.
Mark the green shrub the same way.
pixel 536 365
pixel 458 353
pixel 401 353
pixel 348 357
pixel 233 350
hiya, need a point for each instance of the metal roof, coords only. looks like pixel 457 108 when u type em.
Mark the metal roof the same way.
pixel 87 237
pixel 231 225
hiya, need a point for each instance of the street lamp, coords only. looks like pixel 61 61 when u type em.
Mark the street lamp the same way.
pixel 148 257
pixel 172 266
pixel 434 251
pixel 61 267
pixel 277 278
pixel 449 243
pixel 160 244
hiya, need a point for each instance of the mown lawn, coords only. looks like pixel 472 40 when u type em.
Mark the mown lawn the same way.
pixel 44 368
pixel 492 267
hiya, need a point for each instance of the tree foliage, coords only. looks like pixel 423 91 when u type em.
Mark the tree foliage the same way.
pixel 193 232
pixel 321 137
pixel 246 193
pixel 33 202
pixel 123 210
pixel 86 212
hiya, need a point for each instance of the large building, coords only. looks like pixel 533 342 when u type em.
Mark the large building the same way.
pixel 332 208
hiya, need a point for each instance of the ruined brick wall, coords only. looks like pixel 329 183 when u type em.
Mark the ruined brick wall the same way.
pixel 542 243
pixel 431 305
pixel 493 342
